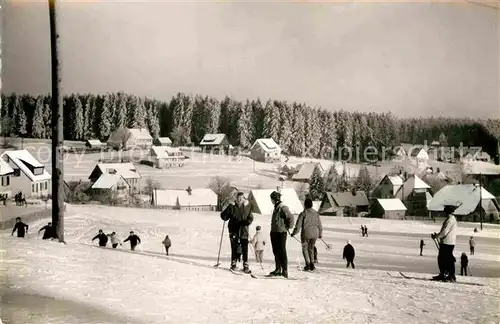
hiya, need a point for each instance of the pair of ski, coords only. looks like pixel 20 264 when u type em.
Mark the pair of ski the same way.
pixel 256 276
pixel 403 276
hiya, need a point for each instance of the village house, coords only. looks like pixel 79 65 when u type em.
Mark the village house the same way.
pixel 126 170
pixel 129 138
pixel 466 198
pixel 306 170
pixel 344 203
pixel 415 195
pixel 419 154
pixel 29 176
pixel 471 154
pixel 112 183
pixel 388 209
pixel 260 200
pixel 95 144
pixel 162 141
pixel 166 157
pixel 388 187
pixel 5 173
pixel 198 199
pixel 265 150
pixel 215 143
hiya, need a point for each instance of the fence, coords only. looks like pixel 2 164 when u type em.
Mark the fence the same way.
pixel 27 218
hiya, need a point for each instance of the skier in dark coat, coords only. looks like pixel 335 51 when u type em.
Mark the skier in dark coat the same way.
pixel 167 243
pixel 48 231
pixel 349 254
pixel 281 222
pixel 21 228
pixel 422 244
pixel 134 240
pixel 103 238
pixel 240 217
pixel 464 263
pixel 447 240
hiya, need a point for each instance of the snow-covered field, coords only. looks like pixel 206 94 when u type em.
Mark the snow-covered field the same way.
pixel 108 286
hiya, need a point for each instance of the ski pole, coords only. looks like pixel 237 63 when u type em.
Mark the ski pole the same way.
pixel 328 246
pixel 220 244
pixel 296 239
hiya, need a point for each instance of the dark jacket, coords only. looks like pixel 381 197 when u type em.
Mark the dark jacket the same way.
pixel 21 229
pixel 239 217
pixel 134 239
pixel 349 252
pixel 464 260
pixel 103 239
pixel 422 243
pixel 282 219
pixel 167 242
pixel 49 232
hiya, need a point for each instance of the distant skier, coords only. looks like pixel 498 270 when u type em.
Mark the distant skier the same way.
pixel 363 230
pixel 114 240
pixel 103 238
pixel 349 254
pixel 366 231
pixel 134 240
pixel 309 225
pixel 281 222
pixel 447 237
pixel 167 243
pixel 258 244
pixel 240 217
pixel 464 263
pixel 21 228
pixel 472 245
pixel 422 244
pixel 48 231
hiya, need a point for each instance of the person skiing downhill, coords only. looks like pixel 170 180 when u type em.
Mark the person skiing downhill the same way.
pixel 309 225
pixel 349 254
pixel 21 228
pixel 447 237
pixel 114 240
pixel 258 244
pixel 48 231
pixel 281 222
pixel 167 243
pixel 134 240
pixel 240 217
pixel 103 238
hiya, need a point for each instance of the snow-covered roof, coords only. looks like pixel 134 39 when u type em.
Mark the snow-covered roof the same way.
pixel 306 171
pixel 164 140
pixel 95 142
pixel 396 180
pixel 346 199
pixel 412 183
pixel 213 139
pixel 481 167
pixel 23 158
pixel 316 204
pixel 465 197
pixel 5 168
pixel 163 152
pixel 140 133
pixel 261 200
pixel 126 170
pixel 198 197
pixel 107 181
pixel 267 144
pixel 391 204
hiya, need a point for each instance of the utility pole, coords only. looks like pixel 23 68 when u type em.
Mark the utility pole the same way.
pixel 480 201
pixel 57 127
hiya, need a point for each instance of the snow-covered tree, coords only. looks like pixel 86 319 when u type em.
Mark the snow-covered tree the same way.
pixel 364 181
pixel 39 126
pixel 245 139
pixel 316 185
pixel 271 121
pixel 298 145
pixel 78 127
pixel 331 179
pixel 285 133
pixel 105 122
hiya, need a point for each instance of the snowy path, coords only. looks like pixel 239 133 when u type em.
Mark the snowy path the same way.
pixel 151 289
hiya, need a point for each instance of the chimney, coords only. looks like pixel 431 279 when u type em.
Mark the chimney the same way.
pixel 189 190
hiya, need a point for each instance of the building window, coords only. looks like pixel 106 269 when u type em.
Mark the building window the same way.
pixel 8 180
pixel 46 185
pixel 33 187
pixel 36 186
pixel 2 182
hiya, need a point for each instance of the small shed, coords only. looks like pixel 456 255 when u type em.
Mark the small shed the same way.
pixel 344 203
pixel 129 138
pixel 95 144
pixel 388 208
pixel 261 201
pixel 306 170
pixel 265 150
pixel 162 141
pixel 215 143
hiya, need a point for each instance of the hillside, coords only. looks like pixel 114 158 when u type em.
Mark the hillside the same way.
pixel 146 287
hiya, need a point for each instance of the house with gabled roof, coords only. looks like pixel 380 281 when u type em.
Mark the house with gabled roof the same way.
pixel 391 208
pixel 468 199
pixel 415 195
pixel 306 170
pixel 112 182
pixel 388 187
pixel 127 170
pixel 260 200
pixel 129 138
pixel 29 175
pixel 349 203
pixel 95 144
pixel 265 150
pixel 162 141
pixel 166 156
pixel 5 174
pixel 215 143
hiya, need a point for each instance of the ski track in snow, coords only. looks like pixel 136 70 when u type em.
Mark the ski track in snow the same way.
pixel 153 288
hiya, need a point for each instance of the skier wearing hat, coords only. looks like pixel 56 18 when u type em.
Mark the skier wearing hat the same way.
pixel 447 239
pixel 281 222
pixel 258 243
pixel 240 217
pixel 134 240
pixel 349 254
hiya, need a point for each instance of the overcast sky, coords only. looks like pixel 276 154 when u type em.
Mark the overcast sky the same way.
pixel 411 59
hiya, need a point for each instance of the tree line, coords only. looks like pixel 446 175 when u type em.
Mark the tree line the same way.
pixel 298 128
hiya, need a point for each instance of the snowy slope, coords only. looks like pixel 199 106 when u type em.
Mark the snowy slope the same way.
pixel 151 288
